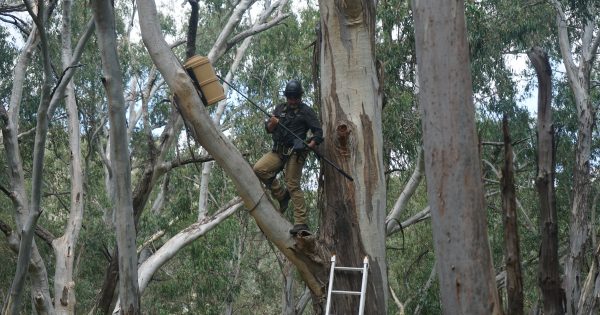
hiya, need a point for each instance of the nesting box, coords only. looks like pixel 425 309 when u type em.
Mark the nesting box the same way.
pixel 203 74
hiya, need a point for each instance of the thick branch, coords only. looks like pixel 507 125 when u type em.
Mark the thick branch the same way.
pixel 407 193
pixel 216 143
pixel 219 46
pixel 181 239
pixel 256 29
pixel 563 39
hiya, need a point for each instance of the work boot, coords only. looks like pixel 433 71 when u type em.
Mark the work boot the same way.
pixel 284 202
pixel 299 228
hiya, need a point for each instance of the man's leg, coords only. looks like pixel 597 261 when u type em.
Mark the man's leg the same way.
pixel 266 168
pixel 293 174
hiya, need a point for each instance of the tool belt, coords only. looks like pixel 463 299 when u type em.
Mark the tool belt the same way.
pixel 283 150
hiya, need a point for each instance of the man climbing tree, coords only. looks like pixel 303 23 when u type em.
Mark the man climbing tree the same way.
pixel 289 125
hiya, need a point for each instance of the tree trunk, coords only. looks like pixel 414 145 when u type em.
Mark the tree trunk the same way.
pixel 452 164
pixel 27 220
pixel 119 156
pixel 549 270
pixel 288 302
pixel 152 172
pixel 578 72
pixel 64 247
pixel 353 218
pixel 10 130
pixel 514 278
pixel 235 264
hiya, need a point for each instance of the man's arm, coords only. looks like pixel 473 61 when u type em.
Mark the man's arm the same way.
pixel 315 127
pixel 272 122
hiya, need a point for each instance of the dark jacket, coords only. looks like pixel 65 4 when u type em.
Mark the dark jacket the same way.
pixel 298 121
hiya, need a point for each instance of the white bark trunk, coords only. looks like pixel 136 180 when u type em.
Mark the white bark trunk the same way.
pixel 119 157
pixel 207 167
pixel 287 296
pixel 37 270
pixel 424 290
pixel 161 197
pixel 452 164
pixel 578 73
pixel 27 248
pixel 11 130
pixel 222 44
pixel 64 247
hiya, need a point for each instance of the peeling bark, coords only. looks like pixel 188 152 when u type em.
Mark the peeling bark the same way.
pixel 353 215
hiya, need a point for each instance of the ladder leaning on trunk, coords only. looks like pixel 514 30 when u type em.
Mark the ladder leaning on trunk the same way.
pixel 363 288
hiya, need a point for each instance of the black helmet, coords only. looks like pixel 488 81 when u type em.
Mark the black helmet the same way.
pixel 293 89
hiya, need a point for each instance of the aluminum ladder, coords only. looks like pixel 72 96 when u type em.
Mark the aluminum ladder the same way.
pixel 363 288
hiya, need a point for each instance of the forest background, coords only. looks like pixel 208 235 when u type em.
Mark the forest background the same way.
pixel 228 266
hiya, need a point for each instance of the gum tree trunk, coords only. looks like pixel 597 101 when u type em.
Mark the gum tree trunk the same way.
pixel 353 216
pixel 549 270
pixel 64 246
pixel 514 278
pixel 452 164
pixel 119 157
pixel 28 212
pixel 578 66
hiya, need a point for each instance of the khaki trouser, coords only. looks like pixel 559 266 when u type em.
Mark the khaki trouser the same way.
pixel 267 167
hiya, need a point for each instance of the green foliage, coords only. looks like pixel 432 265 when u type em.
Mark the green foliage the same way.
pixel 7 54
pixel 397 62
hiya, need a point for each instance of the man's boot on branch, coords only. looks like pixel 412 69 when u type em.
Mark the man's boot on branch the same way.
pixel 299 228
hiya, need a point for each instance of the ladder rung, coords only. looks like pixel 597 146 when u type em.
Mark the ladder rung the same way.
pixel 350 268
pixel 346 292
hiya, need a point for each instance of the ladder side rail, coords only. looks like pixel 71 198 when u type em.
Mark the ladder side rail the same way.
pixel 330 286
pixel 363 287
